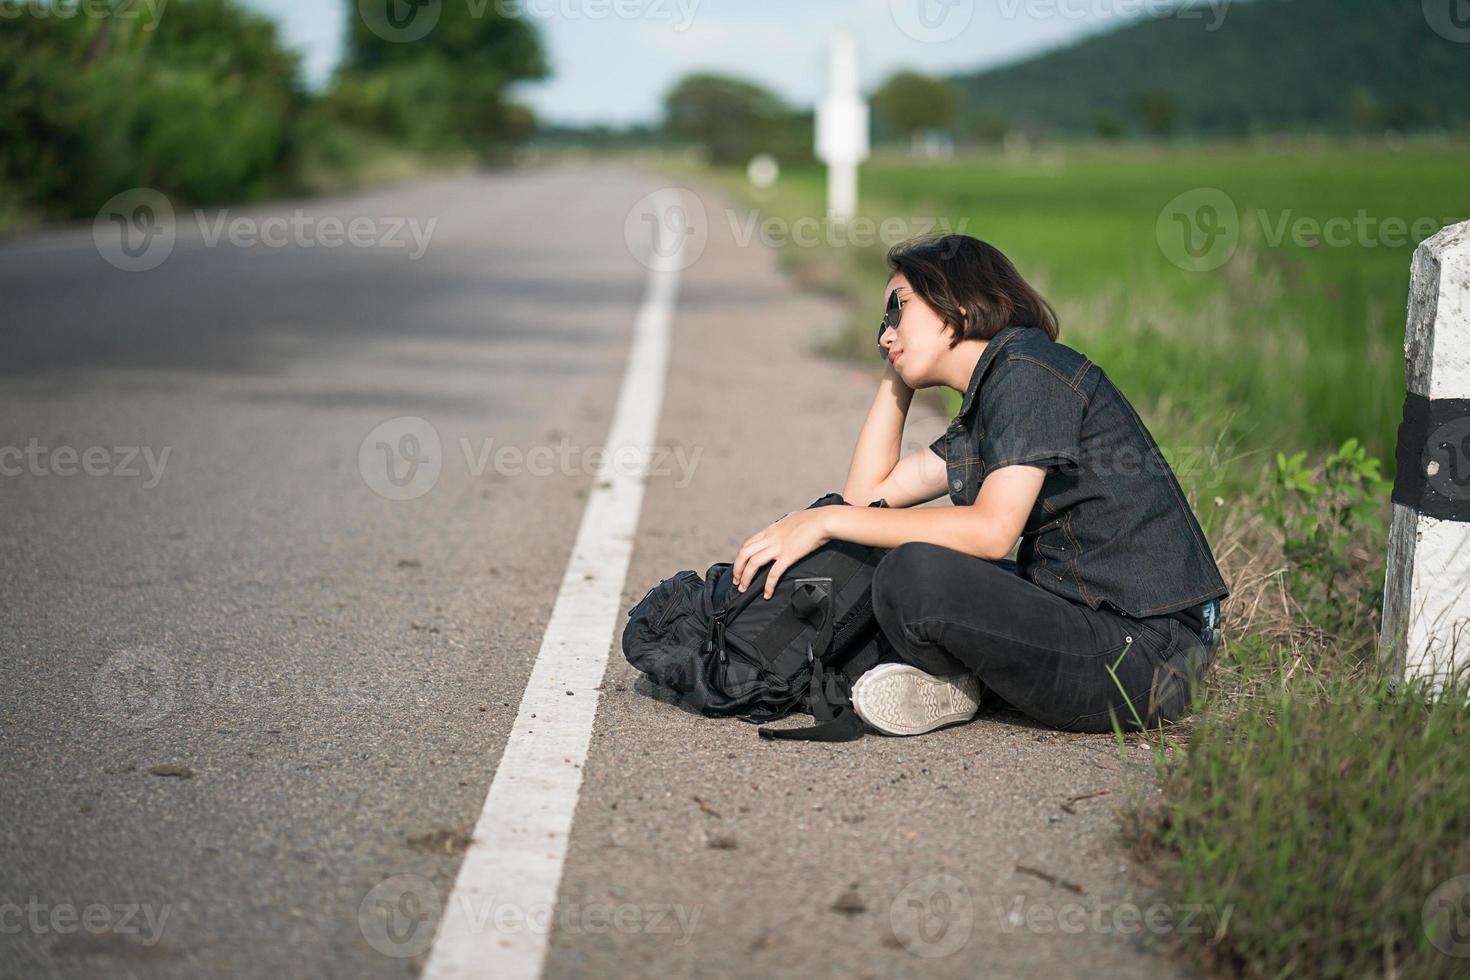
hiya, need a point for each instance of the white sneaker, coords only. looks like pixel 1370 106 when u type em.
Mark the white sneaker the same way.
pixel 899 699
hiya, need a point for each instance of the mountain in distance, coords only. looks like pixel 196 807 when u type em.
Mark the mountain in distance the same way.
pixel 1233 68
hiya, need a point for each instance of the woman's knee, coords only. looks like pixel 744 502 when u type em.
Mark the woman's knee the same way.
pixel 921 572
pixel 904 574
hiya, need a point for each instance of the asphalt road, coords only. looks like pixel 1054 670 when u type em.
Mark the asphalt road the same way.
pixel 247 683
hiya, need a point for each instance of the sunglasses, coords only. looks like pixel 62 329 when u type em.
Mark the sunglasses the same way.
pixel 891 317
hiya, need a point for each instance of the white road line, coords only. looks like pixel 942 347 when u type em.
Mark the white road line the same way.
pixel 497 920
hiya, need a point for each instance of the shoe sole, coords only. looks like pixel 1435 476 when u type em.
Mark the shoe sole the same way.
pixel 897 699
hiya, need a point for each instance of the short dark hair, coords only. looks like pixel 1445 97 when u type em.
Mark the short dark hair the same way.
pixel 951 271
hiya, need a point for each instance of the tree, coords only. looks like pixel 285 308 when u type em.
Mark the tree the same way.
pixel 734 119
pixel 1107 124
pixel 203 108
pixel 447 89
pixel 989 124
pixel 1158 113
pixel 911 103
pixel 1364 110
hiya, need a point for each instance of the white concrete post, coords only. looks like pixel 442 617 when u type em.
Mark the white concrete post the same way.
pixel 842 129
pixel 1426 595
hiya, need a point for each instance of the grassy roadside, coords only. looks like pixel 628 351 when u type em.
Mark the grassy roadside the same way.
pixel 1327 812
pixel 340 160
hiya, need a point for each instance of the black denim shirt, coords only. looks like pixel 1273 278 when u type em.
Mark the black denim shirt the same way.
pixel 1111 524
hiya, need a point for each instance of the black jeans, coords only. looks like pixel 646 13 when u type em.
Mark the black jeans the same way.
pixel 1061 662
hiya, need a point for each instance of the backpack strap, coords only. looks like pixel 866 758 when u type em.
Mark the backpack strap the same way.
pixel 837 722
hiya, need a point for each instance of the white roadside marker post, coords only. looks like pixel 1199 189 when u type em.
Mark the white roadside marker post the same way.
pixel 842 129
pixel 1426 593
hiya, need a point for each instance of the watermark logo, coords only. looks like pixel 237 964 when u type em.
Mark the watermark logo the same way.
pixel 91 9
pixel 135 230
pixel 1199 230
pixel 116 461
pixel 1211 11
pixel 933 917
pixel 400 21
pixel 143 920
pixel 303 230
pixel 1450 19
pixel 809 231
pixel 1112 918
pixel 406 21
pixel 680 11
pixel 397 916
pixel 667 230
pixel 136 688
pixel 1448 467
pixel 1446 917
pixel 401 458
pixel 1362 230
pixel 932 21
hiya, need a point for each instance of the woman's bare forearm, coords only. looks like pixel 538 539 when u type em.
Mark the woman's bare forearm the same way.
pixel 881 438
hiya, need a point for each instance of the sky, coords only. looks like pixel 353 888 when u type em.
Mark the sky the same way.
pixel 613 60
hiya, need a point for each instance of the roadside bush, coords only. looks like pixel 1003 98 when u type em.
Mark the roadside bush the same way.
pixel 204 107
pixel 1328 829
pixel 1326 516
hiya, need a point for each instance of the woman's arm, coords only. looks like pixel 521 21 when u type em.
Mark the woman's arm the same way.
pixel 876 471
pixel 988 528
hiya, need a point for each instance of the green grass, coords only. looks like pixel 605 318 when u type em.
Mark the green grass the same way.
pixel 1286 345
pixel 1318 806
pixel 1324 818
pixel 15 216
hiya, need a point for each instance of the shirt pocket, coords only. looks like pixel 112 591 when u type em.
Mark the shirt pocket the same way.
pixel 1051 541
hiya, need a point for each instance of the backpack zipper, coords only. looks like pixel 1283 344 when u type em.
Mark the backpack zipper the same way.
pixel 722 650
pixel 855 617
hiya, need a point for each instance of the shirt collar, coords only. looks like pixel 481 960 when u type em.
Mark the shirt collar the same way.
pixel 986 356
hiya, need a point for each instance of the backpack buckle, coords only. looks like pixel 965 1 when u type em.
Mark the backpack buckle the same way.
pixel 810 595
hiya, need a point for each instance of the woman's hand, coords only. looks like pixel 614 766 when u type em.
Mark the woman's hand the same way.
pixel 788 540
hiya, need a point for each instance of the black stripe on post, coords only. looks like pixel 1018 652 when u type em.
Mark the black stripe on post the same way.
pixel 1433 457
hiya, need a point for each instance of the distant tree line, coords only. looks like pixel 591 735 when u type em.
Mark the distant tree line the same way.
pixel 1334 66
pixel 734 119
pixel 207 105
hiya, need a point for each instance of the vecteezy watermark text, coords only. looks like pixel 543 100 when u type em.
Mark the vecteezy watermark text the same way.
pixel 308 231
pixel 42 918
pixel 150 10
pixel 681 12
pixel 136 231
pixel 811 232
pixel 1111 918
pixel 1201 229
pixel 138 688
pixel 1211 12
pixel 398 916
pixel 402 458
pixel 938 21
pixel 406 21
pixel 933 916
pixel 119 461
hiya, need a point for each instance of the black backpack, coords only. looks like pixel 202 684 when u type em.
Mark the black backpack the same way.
pixel 727 653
